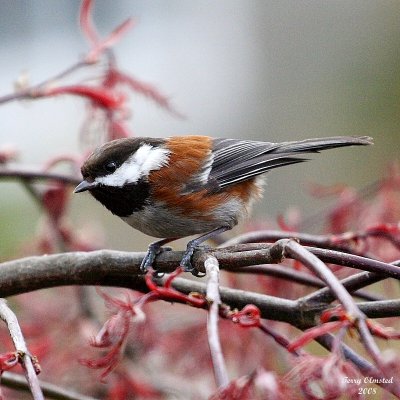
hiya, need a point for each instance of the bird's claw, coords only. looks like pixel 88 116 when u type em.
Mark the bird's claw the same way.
pixel 186 263
pixel 156 248
pixel 153 251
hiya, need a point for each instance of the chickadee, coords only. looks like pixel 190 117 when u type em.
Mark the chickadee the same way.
pixel 186 185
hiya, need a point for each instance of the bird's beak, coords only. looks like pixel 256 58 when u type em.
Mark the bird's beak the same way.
pixel 85 185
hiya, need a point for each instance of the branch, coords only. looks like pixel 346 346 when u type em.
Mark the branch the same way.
pixel 354 313
pixel 255 253
pixel 114 268
pixel 342 242
pixel 26 173
pixel 220 372
pixel 303 278
pixel 324 241
pixel 358 262
pixel 16 381
pixel 122 269
pixel 313 263
pixel 31 368
pixel 33 91
pixel 351 283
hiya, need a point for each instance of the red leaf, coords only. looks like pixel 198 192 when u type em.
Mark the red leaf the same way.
pixel 109 41
pixel 167 293
pixel 312 333
pixel 239 389
pixel 249 316
pixel 8 361
pixel 86 22
pixel 145 89
pixel 90 32
pixel 99 95
pixel 55 200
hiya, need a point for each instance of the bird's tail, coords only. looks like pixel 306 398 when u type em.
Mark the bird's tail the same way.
pixel 315 145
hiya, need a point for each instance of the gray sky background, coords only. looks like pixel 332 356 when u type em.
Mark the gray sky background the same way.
pixel 272 70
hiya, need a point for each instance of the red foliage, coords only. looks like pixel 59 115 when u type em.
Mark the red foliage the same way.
pixel 367 221
pixel 55 200
pixel 114 333
pixel 88 28
pixel 342 320
pixel 312 333
pixel 115 77
pixel 126 387
pixel 248 317
pixel 167 293
pixel 8 360
pixel 261 385
pixel 324 378
pixel 100 96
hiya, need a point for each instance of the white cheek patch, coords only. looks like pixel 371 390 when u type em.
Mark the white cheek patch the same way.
pixel 147 158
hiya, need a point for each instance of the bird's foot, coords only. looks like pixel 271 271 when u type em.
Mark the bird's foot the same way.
pixel 193 245
pixel 153 251
pixel 186 263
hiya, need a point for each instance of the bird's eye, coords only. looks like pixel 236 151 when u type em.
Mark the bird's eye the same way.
pixel 110 167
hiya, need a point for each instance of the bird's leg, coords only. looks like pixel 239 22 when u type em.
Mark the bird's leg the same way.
pixel 193 244
pixel 153 251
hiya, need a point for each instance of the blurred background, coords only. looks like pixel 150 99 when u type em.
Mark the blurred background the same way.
pixel 266 70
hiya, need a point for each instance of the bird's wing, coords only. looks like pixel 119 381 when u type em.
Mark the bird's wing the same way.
pixel 236 161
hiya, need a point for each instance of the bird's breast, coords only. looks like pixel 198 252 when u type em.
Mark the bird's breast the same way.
pixel 123 201
pixel 160 221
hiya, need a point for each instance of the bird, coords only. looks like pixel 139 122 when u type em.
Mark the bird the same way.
pixel 180 186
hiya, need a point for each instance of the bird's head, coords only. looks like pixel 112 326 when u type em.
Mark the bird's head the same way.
pixel 116 173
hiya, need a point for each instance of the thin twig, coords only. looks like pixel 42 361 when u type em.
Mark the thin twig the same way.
pixel 19 342
pixel 295 250
pixel 308 239
pixel 220 372
pixel 345 298
pixel 261 253
pixel 355 261
pixel 351 283
pixel 27 184
pixel 278 338
pixel 370 344
pixel 34 91
pixel 52 224
pixel 341 242
pixel 27 173
pixel 290 274
pixel 16 381
pixel 319 268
